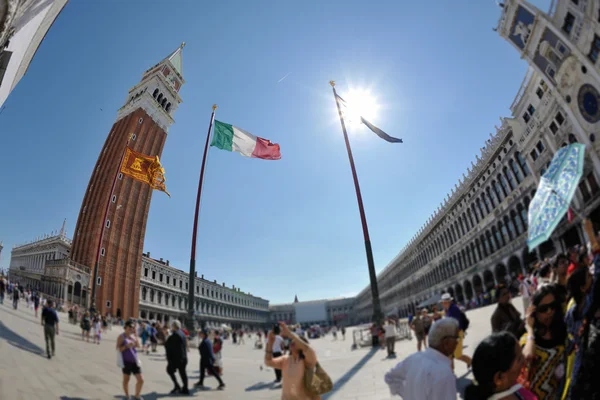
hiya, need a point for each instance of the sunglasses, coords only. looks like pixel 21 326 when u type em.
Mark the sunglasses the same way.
pixel 544 308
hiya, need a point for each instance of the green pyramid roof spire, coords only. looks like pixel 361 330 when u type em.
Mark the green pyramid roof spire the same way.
pixel 176 59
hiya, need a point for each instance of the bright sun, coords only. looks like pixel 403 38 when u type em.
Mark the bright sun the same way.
pixel 360 103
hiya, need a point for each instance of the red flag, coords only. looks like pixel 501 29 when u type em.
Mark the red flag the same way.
pixel 570 215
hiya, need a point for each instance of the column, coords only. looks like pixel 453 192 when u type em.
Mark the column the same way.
pixel 531 169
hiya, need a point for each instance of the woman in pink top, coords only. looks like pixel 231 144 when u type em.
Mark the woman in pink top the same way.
pixel 292 365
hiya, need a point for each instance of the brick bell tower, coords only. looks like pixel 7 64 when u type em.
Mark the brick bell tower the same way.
pixel 146 116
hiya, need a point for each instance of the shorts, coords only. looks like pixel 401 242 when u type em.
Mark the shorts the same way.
pixel 144 339
pixel 420 336
pixel 129 369
pixel 459 345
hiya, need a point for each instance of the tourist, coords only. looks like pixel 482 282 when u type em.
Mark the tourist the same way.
pixel 497 363
pixel 277 350
pixel 506 317
pixel 374 335
pixel 527 289
pixel 50 324
pixel 176 348
pixel 544 344
pixel 427 322
pixel 97 330
pixel 428 375
pixel 390 336
pixel 582 289
pixel 35 300
pixel 15 294
pixel 153 337
pixel 418 326
pixel 435 314
pixel 242 337
pixel 86 326
pixel 2 290
pixel 127 344
pixel 343 332
pixel 144 333
pixel 217 347
pixel 207 360
pixel 544 275
pixel 559 276
pixel 292 365
pixel 452 311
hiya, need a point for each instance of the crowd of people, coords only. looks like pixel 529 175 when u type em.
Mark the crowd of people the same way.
pixel 551 353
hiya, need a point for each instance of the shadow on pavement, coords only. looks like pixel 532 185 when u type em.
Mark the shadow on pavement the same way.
pixel 260 386
pixel 18 341
pixel 71 398
pixel 351 372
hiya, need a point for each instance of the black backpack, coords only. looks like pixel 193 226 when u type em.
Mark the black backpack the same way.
pixel 464 321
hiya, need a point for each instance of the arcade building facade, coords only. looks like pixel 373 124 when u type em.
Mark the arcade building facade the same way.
pixel 477 237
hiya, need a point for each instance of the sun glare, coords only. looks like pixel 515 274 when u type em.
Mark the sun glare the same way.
pixel 361 103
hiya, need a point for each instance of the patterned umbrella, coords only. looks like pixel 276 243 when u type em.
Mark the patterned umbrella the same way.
pixel 554 193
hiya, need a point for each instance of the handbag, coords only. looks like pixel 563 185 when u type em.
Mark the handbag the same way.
pixel 316 381
pixel 120 362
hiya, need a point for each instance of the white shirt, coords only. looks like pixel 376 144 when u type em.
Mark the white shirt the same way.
pixel 390 330
pixel 423 376
pixel 277 344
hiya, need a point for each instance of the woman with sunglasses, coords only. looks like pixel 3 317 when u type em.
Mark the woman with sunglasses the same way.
pixel 497 380
pixel 544 345
pixel 127 344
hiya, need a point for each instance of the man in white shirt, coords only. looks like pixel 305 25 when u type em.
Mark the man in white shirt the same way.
pixel 390 336
pixel 277 351
pixel 428 375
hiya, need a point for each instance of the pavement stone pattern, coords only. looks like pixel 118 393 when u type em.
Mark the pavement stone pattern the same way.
pixel 83 370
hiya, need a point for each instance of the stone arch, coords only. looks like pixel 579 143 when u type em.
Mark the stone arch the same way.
pixel 477 284
pixel 459 293
pixel 500 272
pixel 468 289
pixel 488 280
pixel 77 289
pixel 159 98
pixel 155 93
pixel 451 291
pixel 143 314
pixel 514 267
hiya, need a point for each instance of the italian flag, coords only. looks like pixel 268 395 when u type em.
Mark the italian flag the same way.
pixel 231 138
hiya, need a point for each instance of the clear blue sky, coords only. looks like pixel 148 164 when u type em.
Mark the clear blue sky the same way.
pixel 273 228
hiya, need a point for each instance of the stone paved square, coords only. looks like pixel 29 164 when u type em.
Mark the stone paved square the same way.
pixel 83 370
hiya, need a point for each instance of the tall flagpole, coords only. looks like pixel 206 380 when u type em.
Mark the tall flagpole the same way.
pixel 191 324
pixel 377 314
pixel 99 249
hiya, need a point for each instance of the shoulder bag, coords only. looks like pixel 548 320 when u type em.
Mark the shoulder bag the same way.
pixel 316 381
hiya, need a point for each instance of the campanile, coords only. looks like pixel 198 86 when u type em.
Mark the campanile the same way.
pixel 146 118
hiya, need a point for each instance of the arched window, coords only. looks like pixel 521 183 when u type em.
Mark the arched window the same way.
pixel 486 203
pixel 479 208
pixel 572 138
pixel 490 194
pixel 497 237
pixel 505 188
pixel 163 103
pixel 144 293
pixel 159 98
pixel 168 108
pixel 470 216
pixel 522 163
pixel 516 170
pixel 474 252
pixel 155 93
pixel 511 227
pixel 486 246
pixel 523 212
pixel 518 222
pixel 498 191
pixel 490 238
pixel 475 214
pixel 509 177
pixel 152 295
pixel 504 231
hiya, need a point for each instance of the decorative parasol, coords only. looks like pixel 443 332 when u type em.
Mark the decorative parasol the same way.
pixel 554 193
